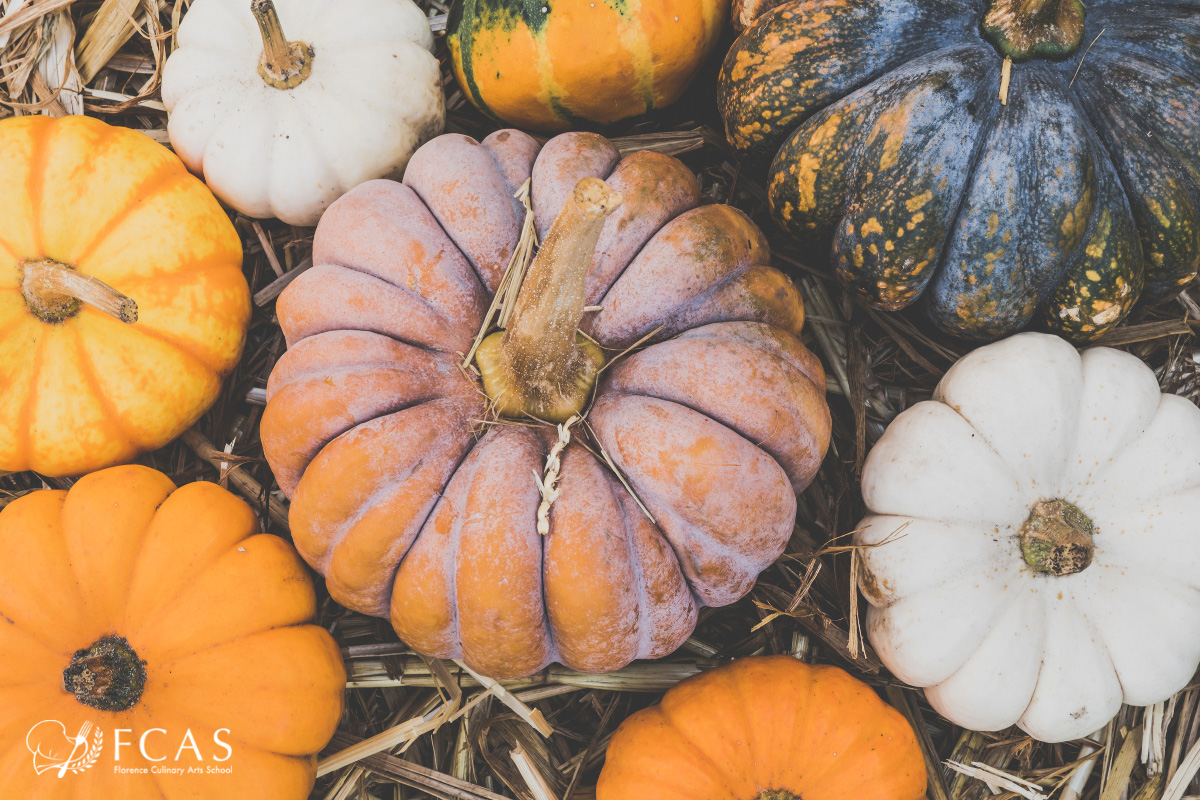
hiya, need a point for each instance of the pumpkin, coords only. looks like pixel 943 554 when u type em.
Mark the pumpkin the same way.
pixel 1001 160
pixel 765 728
pixel 122 300
pixel 1036 558
pixel 549 66
pixel 418 491
pixel 160 626
pixel 282 127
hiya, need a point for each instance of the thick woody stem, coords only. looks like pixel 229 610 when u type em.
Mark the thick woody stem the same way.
pixel 541 366
pixel 550 304
pixel 1023 29
pixel 54 291
pixel 284 64
pixel 108 675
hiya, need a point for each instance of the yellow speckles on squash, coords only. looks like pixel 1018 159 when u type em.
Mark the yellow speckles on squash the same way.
pixel 975 308
pixel 806 182
pixel 827 129
pixel 891 149
pixel 993 224
pixel 888 246
pixel 1074 224
pixel 1108 312
pixel 914 204
pixel 747 61
pixel 1092 275
pixel 820 18
pixel 745 135
pixel 1157 210
pixel 916 220
pixel 994 256
pixel 872 226
pixel 873 249
pixel 1006 237
pixel 858 256
pixel 1094 250
pixel 1068 224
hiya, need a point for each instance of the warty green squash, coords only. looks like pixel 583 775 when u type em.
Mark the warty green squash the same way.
pixel 1008 163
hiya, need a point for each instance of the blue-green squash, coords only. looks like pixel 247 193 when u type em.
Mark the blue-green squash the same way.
pixel 1055 202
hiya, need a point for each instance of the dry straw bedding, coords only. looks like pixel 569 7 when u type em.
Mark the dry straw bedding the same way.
pixel 416 729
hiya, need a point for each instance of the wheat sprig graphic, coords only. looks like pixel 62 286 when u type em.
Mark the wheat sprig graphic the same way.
pixel 92 755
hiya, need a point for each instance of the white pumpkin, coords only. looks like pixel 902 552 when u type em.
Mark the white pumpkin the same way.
pixel 284 112
pixel 961 489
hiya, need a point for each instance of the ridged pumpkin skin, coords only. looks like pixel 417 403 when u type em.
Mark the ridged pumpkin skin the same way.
pixel 769 727
pixel 91 391
pixel 969 602
pixel 551 66
pixel 218 612
pixel 893 153
pixel 411 507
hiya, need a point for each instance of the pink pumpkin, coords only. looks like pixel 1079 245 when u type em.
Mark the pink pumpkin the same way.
pixel 416 501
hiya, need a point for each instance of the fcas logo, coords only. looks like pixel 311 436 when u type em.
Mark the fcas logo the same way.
pixel 55 751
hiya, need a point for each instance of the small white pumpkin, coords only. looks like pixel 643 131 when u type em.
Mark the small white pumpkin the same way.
pixel 282 128
pixel 1038 532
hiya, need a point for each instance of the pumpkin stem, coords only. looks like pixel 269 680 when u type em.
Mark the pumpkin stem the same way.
pixel 55 291
pixel 541 365
pixel 1057 538
pixel 778 794
pixel 107 676
pixel 284 64
pixel 1024 29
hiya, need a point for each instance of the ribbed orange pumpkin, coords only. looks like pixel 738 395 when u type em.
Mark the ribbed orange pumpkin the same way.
pixel 551 64
pixel 765 728
pixel 131 609
pixel 414 506
pixel 107 215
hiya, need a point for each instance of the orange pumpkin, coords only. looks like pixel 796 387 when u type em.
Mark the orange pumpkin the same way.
pixel 122 301
pixel 765 728
pixel 416 501
pixel 552 65
pixel 157 624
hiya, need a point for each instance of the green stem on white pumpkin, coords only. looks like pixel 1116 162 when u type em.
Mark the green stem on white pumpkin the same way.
pixel 541 366
pixel 1024 29
pixel 54 291
pixel 284 64
pixel 1057 538
pixel 107 676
